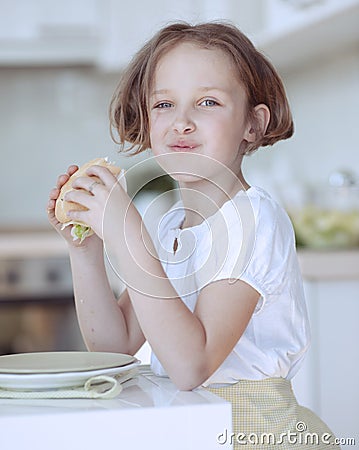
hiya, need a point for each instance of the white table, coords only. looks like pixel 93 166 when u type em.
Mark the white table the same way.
pixel 150 413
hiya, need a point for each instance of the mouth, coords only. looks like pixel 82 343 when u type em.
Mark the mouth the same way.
pixel 183 147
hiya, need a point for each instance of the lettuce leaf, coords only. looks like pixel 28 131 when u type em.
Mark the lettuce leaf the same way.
pixel 78 231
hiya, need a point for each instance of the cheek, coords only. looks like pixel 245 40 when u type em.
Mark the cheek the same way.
pixel 160 120
pixel 231 129
pixel 218 129
pixel 158 127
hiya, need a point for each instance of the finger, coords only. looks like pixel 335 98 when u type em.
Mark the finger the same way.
pixel 62 179
pixel 107 178
pixel 51 209
pixel 72 169
pixel 80 197
pixel 86 183
pixel 51 204
pixel 54 193
pixel 77 216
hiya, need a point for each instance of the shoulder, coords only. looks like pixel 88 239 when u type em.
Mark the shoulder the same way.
pixel 274 251
pixel 270 217
pixel 254 213
pixel 253 240
pixel 273 260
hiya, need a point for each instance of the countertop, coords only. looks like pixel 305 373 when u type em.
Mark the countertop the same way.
pixel 32 244
pixel 328 265
pixel 315 264
pixel 150 413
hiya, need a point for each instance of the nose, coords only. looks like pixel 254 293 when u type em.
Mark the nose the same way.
pixel 183 123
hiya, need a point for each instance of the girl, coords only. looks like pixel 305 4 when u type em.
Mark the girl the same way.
pixel 216 290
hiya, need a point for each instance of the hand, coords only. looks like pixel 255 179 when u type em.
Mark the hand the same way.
pixel 53 196
pixel 93 191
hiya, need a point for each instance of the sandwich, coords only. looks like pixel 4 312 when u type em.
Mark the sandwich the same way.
pixel 79 230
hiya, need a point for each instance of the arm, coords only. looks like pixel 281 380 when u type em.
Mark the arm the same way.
pixel 191 346
pixel 105 324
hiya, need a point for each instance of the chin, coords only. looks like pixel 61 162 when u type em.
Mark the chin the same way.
pixel 187 166
pixel 186 178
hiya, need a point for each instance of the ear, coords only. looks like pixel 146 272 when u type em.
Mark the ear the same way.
pixel 258 122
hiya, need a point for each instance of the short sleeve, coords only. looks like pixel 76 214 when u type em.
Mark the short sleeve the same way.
pixel 271 263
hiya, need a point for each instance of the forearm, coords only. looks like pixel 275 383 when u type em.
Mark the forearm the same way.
pixel 175 334
pixel 101 321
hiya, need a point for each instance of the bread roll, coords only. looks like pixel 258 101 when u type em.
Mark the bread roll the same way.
pixel 62 206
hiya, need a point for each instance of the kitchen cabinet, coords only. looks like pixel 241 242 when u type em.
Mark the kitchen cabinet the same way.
pixel 127 26
pixel 106 33
pixel 39 32
pixel 102 33
pixel 298 32
pixel 291 33
pixel 327 382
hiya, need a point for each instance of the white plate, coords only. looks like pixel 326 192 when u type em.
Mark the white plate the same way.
pixel 53 370
pixel 59 362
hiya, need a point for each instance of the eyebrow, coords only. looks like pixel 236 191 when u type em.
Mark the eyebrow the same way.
pixel 160 91
pixel 201 88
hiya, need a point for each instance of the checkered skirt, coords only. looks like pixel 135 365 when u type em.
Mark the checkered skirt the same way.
pixel 267 416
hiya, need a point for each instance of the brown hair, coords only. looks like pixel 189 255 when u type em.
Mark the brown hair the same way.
pixel 129 104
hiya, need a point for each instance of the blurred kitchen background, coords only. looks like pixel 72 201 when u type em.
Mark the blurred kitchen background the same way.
pixel 59 65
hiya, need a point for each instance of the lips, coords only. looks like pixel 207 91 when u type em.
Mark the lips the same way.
pixel 183 146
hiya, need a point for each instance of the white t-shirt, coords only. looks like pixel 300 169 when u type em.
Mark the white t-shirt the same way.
pixel 249 238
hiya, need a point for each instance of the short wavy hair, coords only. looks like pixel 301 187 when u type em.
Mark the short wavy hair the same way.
pixel 129 110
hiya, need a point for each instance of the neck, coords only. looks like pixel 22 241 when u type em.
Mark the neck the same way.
pixel 204 198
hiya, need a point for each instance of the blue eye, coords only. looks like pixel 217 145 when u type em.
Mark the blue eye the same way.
pixel 163 105
pixel 209 102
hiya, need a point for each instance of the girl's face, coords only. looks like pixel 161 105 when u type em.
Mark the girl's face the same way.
pixel 199 107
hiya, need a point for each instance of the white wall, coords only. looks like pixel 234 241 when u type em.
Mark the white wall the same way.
pixel 49 118
pixel 52 117
pixel 324 98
